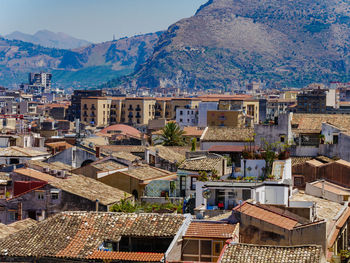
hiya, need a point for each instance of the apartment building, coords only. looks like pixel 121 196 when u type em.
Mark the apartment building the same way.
pixel 247 106
pixel 116 110
pixel 227 118
pixel 95 111
pixel 312 101
pixel 174 103
pixel 78 95
pixel 138 111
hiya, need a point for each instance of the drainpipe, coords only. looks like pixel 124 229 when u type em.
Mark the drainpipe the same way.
pixel 244 165
pixel 97 204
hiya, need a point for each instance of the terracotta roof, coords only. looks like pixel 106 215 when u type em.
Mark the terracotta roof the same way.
pixel 300 160
pixel 314 162
pixel 147 173
pixel 6 230
pixel 21 152
pixel 217 134
pixel 205 163
pixel 51 166
pixel 167 153
pixel 124 155
pixel 107 165
pixel 124 148
pixel 266 215
pixel 90 189
pixel 122 129
pixel 79 185
pixel 210 230
pixel 312 123
pixel 243 253
pixel 228 148
pixel 192 131
pixel 59 144
pixel 80 234
pixel 36 174
pixel 127 256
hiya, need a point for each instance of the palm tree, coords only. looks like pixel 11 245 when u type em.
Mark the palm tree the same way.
pixel 172 135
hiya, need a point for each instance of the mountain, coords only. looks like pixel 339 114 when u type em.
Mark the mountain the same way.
pixel 83 67
pixel 47 38
pixel 228 41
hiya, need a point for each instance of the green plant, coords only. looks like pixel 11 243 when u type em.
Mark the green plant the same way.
pixel 125 206
pixel 203 176
pixel 193 144
pixel 172 135
pixel 8 194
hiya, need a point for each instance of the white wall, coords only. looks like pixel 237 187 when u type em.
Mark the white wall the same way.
pixel 274 195
pixel 257 167
pixel 203 108
pixel 189 117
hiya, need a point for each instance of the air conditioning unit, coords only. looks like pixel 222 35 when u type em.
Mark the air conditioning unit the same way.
pixel 61 174
pixel 46 170
pixel 53 172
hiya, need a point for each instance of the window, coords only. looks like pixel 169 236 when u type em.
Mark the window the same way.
pixel 40 195
pixel 180 120
pixel 14 161
pixel 193 183
pixel 181 113
pixel 54 196
pixel 335 139
pixel 246 193
pixel 282 139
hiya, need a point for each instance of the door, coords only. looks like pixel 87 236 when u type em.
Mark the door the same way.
pixel 217 247
pixel 32 214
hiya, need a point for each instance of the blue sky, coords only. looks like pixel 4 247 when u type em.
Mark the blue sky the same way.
pixel 93 20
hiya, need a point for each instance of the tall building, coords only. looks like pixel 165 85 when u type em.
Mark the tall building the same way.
pixel 74 109
pixel 312 101
pixel 40 82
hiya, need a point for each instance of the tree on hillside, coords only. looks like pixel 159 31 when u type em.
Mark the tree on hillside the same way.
pixel 172 135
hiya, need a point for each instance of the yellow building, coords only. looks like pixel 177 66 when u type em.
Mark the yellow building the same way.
pixel 138 110
pixel 95 111
pixel 248 106
pixel 116 110
pixel 225 118
pixel 174 103
pixel 290 95
pixel 251 108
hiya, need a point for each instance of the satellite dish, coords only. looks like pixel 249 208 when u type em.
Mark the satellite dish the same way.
pixel 206 193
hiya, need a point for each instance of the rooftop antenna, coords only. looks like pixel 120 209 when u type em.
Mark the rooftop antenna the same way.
pixel 113 37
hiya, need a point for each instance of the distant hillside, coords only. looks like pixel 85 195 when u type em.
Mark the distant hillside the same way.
pixel 50 39
pixel 83 67
pixel 278 41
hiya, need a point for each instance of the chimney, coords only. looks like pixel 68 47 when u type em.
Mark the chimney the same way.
pixel 97 203
pixel 19 208
pixel 98 151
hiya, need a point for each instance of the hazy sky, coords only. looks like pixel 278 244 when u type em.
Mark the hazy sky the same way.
pixel 93 20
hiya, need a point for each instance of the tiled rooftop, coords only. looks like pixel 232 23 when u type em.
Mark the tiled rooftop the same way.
pixel 79 234
pixel 218 134
pixel 90 189
pixel 6 230
pixel 266 215
pixel 244 253
pixel 108 165
pixel 52 166
pixel 200 163
pixel 125 155
pixel 147 173
pixel 79 185
pixel 21 152
pixel 127 256
pixel 312 123
pixel 167 153
pixel 210 230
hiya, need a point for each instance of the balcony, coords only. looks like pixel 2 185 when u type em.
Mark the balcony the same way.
pixel 131 115
pixel 138 109
pixel 130 108
pixel 138 115
pixel 93 108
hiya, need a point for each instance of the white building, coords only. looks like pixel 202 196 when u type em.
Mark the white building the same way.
pixel 187 117
pixel 203 108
